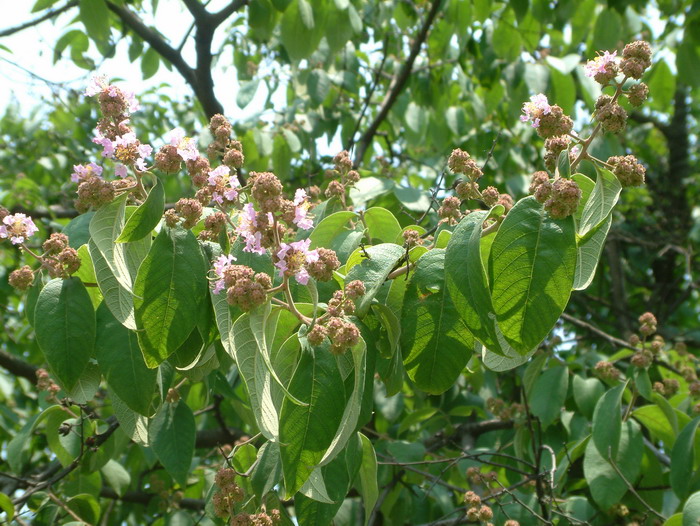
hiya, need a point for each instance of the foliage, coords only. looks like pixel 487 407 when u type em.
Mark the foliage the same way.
pixel 361 352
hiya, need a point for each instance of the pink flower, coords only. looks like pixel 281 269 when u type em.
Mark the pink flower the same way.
pixel 85 171
pixel 120 171
pixel 219 267
pixel 598 64
pixel 302 205
pixel 107 145
pixel 292 258
pixel 186 146
pixel 224 185
pixel 247 227
pixel 97 84
pixel 17 228
pixel 534 109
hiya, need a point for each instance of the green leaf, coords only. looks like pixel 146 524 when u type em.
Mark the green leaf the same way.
pixel 300 29
pixel 606 33
pixel 118 299
pixel 587 392
pixel 369 488
pixel 466 280
pixel 122 363
pixel 116 476
pixel 19 442
pixel 601 201
pixel 94 14
pixel 268 471
pixel 145 217
pixel 532 265
pixel 662 86
pixel 172 437
pixel 606 486
pixel 549 394
pixel 589 250
pixel 150 62
pixel 329 228
pixel 655 420
pixel 246 92
pixel 351 414
pixel 306 432
pixel 318 86
pixel 607 421
pixel 169 288
pixel 382 225
pixel 691 510
pixel 78 230
pixel 7 506
pixel 435 340
pixel 682 460
pixel 64 322
pixel 373 271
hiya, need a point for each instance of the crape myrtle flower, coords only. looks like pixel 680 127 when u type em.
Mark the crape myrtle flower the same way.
pixel 85 171
pixel 293 257
pixel 301 209
pixel 114 101
pixel 602 68
pixel 224 187
pixel 186 146
pixel 219 265
pixel 535 109
pixel 247 228
pixel 126 149
pixel 17 228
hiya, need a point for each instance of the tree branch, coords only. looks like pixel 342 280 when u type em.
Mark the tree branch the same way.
pixel 143 497
pixel 17 366
pixel 397 84
pixel 216 19
pixel 165 50
pixel 46 16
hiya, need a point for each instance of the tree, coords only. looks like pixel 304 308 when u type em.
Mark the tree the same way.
pixel 407 355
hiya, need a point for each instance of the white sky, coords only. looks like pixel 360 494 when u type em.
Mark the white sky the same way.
pixel 32 50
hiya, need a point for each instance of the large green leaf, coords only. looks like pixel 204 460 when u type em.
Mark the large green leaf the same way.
pixel 172 437
pixel 95 15
pixel 329 228
pixel 466 280
pixel 373 271
pixel 691 510
pixel 606 486
pixel 368 476
pixel 64 321
pixel 435 340
pixel 683 459
pixel 382 225
pixel 589 249
pixel 600 203
pixel 306 432
pixel 302 28
pixel 549 394
pixel 122 364
pixel 145 217
pixel 587 392
pixel 118 299
pixel 169 288
pixel 532 265
pixel 607 421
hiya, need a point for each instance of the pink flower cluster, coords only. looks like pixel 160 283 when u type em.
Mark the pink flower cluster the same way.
pixel 125 148
pixel 224 186
pixel 17 227
pixel 535 109
pixel 85 171
pixel 186 146
pixel 248 229
pixel 293 258
pixel 219 265
pixel 99 84
pixel 604 63
pixel 301 209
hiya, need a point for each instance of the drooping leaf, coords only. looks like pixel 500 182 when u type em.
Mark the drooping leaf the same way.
pixel 145 217
pixel 531 270
pixel 306 432
pixel 368 476
pixel 602 200
pixel 382 226
pixel 373 271
pixel 122 363
pixel 64 321
pixel 682 460
pixel 117 476
pixel 587 392
pixel 549 394
pixel 95 15
pixel 169 289
pixel 172 437
pixel 606 486
pixel 607 421
pixel 436 342
pixel 589 250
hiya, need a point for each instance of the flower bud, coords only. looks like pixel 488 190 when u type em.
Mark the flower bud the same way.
pixel 234 159
pixel 449 211
pixel 55 243
pixel 636 58
pixel 267 191
pixel 190 210
pixel 553 147
pixel 168 160
pixel 322 269
pixel 564 198
pixel 554 124
pixel 637 94
pixel 628 170
pixel 467 190
pixel 612 117
pixel 22 278
pixel 411 237
pixel 335 189
pixel 355 289
pixel 342 162
pixel 490 196
pixel 317 335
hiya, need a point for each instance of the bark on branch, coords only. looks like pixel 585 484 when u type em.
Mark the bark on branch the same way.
pixel 397 84
pixel 53 13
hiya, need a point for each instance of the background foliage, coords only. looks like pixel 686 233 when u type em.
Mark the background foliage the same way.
pixel 399 84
